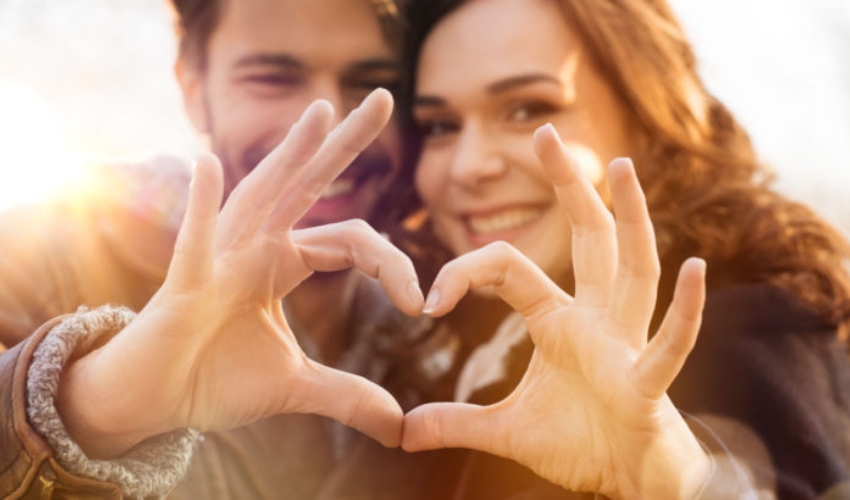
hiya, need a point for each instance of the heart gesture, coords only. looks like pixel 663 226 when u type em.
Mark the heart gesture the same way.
pixel 212 349
pixel 591 413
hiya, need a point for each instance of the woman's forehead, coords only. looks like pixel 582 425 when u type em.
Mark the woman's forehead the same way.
pixel 491 40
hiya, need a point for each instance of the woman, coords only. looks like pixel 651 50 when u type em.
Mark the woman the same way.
pixel 769 375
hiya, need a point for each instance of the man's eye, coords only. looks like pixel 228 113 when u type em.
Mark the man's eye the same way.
pixel 274 80
pixel 370 85
pixel 432 129
pixel 528 111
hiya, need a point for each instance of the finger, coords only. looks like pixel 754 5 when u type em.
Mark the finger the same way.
pixel 192 262
pixel 633 296
pixel 660 362
pixel 354 243
pixel 254 199
pixel 594 243
pixel 454 425
pixel 340 148
pixel 351 400
pixel 514 278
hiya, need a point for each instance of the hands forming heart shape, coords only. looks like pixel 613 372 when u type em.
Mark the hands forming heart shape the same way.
pixel 212 349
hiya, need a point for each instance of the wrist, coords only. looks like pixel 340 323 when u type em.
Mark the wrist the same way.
pixel 151 468
pixel 65 400
pixel 675 466
pixel 92 419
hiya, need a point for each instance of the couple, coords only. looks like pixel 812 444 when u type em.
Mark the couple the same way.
pixel 515 110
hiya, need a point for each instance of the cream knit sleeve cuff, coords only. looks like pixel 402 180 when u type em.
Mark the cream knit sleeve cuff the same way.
pixel 150 469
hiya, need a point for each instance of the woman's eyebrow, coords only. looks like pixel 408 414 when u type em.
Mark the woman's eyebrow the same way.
pixel 504 85
pixel 520 81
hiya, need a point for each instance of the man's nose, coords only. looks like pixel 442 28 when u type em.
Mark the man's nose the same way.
pixel 330 90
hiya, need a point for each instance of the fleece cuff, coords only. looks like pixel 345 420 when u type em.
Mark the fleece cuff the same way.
pixel 150 469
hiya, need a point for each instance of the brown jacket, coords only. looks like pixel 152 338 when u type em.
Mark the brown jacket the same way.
pixel 105 245
pixel 110 245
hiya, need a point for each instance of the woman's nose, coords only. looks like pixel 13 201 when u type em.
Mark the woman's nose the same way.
pixel 477 157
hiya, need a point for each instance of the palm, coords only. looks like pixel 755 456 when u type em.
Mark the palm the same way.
pixel 591 412
pixel 212 349
pixel 586 384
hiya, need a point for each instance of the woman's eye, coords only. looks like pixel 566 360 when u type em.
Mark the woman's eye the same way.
pixel 526 111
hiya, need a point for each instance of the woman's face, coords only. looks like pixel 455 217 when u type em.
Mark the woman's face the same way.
pixel 491 73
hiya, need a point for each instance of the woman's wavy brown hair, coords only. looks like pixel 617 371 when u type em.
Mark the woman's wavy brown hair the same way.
pixel 708 195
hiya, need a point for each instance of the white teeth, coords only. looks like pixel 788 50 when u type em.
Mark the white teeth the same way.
pixel 504 221
pixel 340 187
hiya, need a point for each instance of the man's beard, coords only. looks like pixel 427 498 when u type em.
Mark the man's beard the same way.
pixel 372 163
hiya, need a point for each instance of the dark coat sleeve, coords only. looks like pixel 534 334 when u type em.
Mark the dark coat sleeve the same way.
pixel 765 360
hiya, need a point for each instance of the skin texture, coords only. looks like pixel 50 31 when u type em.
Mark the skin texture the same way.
pixel 486 81
pixel 259 78
pixel 591 413
pixel 220 306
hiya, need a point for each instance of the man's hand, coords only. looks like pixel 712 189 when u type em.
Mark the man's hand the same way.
pixel 212 349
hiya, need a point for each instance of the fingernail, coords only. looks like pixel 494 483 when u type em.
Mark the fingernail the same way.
pixel 415 292
pixel 432 303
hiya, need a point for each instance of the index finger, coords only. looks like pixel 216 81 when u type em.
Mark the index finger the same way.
pixel 249 206
pixel 594 245
pixel 354 243
pixel 514 278
pixel 340 148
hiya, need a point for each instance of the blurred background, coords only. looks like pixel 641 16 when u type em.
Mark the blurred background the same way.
pixel 91 80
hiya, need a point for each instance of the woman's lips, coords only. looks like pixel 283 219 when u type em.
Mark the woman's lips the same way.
pixel 504 224
pixel 503 220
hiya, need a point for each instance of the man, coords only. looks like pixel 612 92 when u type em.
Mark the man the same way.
pixel 247 70
pixel 247 77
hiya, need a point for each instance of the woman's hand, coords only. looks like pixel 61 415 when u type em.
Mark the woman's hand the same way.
pixel 212 349
pixel 591 412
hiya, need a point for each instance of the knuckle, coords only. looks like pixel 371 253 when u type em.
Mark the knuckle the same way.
pixel 358 232
pixel 356 227
pixel 654 268
pixel 361 225
pixel 606 221
pixel 432 422
pixel 360 402
pixel 503 252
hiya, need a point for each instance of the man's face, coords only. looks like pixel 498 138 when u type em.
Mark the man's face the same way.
pixel 267 61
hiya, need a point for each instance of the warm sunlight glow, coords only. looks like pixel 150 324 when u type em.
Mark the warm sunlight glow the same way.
pixel 33 155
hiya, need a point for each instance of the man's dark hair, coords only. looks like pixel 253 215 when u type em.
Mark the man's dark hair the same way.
pixel 195 21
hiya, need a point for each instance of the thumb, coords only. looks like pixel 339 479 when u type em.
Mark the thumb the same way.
pixel 354 401
pixel 453 425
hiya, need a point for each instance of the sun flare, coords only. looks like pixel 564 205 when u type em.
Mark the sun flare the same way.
pixel 34 159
